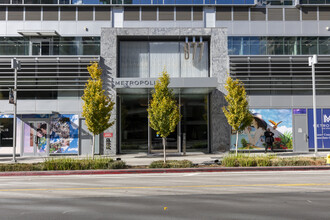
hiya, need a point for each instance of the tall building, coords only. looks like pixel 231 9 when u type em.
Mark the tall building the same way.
pixel 265 44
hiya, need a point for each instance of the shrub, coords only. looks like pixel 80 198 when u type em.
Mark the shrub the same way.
pixel 242 160
pixel 299 161
pixel 82 164
pixel 171 164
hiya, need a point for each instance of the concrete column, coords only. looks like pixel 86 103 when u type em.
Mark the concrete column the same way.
pixel 219 128
pixel 108 63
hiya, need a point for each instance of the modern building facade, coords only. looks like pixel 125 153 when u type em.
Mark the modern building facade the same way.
pixel 265 44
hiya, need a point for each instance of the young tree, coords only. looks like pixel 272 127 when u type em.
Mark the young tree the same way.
pixel 97 105
pixel 237 111
pixel 163 110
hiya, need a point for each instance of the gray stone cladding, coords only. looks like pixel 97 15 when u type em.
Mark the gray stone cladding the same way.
pixel 219 128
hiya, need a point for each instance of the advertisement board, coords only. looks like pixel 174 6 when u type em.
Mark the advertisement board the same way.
pixel 322 127
pixel 279 121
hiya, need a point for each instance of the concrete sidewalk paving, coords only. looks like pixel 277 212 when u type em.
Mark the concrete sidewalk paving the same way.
pixel 140 159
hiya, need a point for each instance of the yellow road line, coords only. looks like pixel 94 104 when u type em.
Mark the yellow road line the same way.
pixel 168 187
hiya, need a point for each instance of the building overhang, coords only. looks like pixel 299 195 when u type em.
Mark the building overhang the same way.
pixel 38 33
pixel 176 83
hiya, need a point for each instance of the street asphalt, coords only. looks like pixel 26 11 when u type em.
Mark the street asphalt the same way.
pixel 239 195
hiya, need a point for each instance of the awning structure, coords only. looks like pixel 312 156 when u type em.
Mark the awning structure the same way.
pixel 44 33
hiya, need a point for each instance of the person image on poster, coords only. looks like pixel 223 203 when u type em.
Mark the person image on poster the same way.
pixel 259 126
pixel 42 137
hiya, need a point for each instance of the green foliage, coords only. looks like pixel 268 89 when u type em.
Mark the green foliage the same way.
pixel 237 111
pixel 286 139
pixel 163 110
pixel 299 161
pixel 242 160
pixel 171 164
pixel 97 105
pixel 21 167
pixel 67 163
pixel 244 143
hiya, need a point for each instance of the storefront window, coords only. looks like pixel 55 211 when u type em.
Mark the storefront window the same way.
pixel 134 125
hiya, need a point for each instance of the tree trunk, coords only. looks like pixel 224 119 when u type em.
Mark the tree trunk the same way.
pixel 164 147
pixel 236 143
pixel 93 146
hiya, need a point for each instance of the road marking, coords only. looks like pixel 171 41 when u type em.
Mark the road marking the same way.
pixel 167 187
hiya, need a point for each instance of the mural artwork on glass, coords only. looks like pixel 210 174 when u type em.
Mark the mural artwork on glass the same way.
pixel 279 121
pixel 64 134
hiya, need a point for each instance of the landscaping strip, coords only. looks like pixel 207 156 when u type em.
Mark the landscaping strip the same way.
pixel 172 170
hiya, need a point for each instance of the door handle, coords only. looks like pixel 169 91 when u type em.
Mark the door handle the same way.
pixel 306 137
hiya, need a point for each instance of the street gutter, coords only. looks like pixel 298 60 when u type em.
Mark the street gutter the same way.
pixel 164 170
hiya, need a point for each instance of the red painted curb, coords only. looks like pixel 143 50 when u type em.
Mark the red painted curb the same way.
pixel 172 170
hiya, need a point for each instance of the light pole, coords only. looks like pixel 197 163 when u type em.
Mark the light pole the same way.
pixel 16 65
pixel 312 61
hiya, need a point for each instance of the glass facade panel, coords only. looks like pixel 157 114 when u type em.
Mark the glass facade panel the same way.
pixel 134 59
pixel 324 45
pixel 164 55
pixel 194 122
pixel 309 45
pixel 196 64
pixel 278 45
pixel 134 123
pixel 148 59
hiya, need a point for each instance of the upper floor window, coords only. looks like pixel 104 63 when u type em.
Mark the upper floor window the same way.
pixel 148 59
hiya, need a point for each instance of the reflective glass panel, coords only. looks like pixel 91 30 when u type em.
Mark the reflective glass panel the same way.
pixel 194 121
pixel 134 123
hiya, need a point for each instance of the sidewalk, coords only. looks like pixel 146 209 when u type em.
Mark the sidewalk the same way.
pixel 140 159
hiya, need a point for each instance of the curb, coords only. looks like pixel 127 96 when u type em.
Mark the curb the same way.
pixel 172 170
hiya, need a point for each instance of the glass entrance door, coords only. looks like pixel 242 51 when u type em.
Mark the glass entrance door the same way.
pixel 35 138
pixel 172 144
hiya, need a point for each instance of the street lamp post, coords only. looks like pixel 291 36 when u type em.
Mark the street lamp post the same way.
pixel 16 65
pixel 312 61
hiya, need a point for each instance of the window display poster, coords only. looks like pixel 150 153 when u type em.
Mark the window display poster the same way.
pixel 279 121
pixel 64 134
pixel 322 128
pixel 6 132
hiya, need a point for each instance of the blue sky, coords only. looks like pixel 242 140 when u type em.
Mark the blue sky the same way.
pixel 277 115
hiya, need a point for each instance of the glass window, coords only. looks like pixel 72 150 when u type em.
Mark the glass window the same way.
pixel 324 45
pixel 186 2
pixel 196 64
pixel 134 59
pixel 169 2
pixel 241 45
pixel 291 46
pixel 145 1
pixel 198 2
pixel 164 55
pixel 258 45
pixel 309 45
pixel 275 46
pixel 148 59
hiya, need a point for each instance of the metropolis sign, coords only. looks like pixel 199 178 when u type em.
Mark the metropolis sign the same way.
pixel 133 83
pixel 193 82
